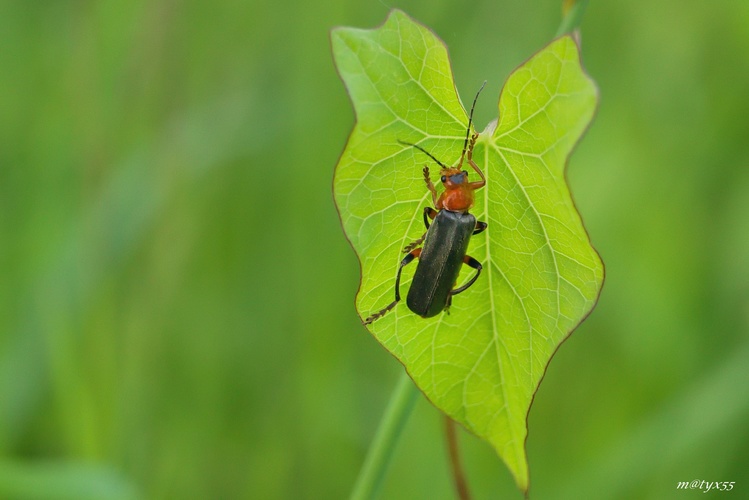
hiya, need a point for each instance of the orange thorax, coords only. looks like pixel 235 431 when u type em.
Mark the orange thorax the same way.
pixel 456 198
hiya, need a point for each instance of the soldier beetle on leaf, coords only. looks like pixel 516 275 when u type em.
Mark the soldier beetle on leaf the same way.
pixel 446 241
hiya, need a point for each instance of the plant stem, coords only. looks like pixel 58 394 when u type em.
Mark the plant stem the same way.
pixel 381 450
pixel 573 15
pixel 461 485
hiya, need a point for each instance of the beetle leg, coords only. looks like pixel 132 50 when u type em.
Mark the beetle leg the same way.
pixel 430 186
pixel 406 260
pixel 480 227
pixel 470 261
pixel 414 244
pixel 429 213
pixel 469 157
pixel 448 304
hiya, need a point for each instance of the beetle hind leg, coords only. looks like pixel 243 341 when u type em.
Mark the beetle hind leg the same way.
pixel 413 254
pixel 471 262
pixel 379 314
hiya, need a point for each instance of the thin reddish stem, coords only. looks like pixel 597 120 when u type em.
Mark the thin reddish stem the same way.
pixel 459 478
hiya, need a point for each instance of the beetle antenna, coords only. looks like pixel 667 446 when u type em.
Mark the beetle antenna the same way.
pixel 424 151
pixel 470 121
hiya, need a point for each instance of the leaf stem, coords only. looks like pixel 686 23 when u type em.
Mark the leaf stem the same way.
pixel 572 16
pixel 381 449
pixel 461 485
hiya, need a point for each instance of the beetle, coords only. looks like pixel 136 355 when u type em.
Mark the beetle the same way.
pixel 447 237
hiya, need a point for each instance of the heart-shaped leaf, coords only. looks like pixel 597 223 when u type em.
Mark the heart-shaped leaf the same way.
pixel 482 363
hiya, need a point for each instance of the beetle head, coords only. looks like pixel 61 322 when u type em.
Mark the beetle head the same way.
pixel 453 177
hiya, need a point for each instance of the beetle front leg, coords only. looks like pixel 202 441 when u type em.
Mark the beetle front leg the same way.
pixel 406 260
pixel 471 262
pixel 430 186
pixel 469 157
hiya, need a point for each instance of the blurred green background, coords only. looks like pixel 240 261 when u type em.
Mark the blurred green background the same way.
pixel 177 303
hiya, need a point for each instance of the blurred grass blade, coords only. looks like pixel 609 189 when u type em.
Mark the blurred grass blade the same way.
pixel 383 445
pixel 127 207
pixel 30 480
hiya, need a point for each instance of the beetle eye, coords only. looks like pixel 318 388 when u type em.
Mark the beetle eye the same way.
pixel 465 172
pixel 443 178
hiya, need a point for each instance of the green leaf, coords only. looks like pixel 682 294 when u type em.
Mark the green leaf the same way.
pixel 482 363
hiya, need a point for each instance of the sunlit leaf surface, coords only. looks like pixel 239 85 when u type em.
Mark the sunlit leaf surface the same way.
pixel 482 363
